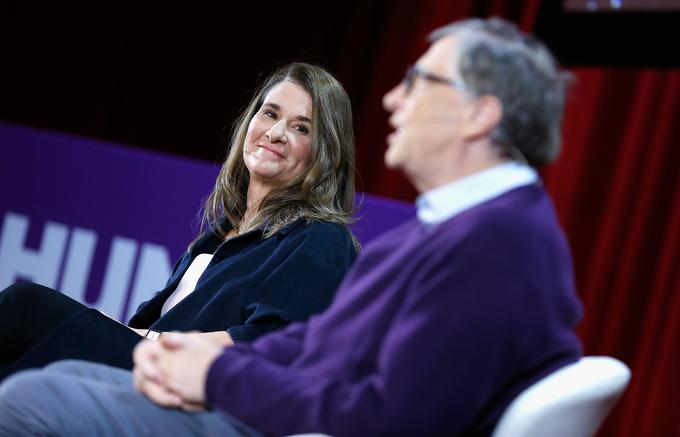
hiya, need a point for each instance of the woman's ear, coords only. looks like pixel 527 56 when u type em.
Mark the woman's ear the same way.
pixel 485 114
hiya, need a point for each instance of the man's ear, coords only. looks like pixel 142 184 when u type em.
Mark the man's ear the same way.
pixel 484 115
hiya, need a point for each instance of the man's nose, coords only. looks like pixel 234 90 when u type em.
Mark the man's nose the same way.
pixel 394 97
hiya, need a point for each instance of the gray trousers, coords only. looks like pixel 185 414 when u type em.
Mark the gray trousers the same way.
pixel 79 398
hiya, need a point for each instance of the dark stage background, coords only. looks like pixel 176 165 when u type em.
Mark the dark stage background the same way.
pixel 172 75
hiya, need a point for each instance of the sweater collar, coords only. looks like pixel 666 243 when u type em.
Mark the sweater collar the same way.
pixel 442 203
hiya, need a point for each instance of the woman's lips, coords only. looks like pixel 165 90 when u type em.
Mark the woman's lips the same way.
pixel 272 150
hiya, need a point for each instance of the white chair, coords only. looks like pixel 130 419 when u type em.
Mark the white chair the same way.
pixel 570 402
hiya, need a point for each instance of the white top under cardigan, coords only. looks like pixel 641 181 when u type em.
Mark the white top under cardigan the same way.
pixel 188 282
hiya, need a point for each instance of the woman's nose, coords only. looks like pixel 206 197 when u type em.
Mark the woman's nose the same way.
pixel 278 132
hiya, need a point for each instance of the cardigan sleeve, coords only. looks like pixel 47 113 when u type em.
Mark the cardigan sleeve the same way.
pixel 303 281
pixel 134 321
pixel 280 347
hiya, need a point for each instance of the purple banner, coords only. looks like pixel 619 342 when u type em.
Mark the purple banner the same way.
pixel 103 223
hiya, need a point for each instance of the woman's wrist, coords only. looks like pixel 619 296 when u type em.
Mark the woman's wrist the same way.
pixel 140 331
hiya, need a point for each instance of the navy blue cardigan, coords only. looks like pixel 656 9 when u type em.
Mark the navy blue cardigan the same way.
pixel 254 285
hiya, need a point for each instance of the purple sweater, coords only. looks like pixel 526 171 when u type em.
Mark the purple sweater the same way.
pixel 432 332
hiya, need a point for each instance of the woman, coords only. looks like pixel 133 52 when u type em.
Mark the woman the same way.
pixel 275 246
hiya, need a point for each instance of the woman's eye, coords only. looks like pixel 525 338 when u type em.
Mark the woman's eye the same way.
pixel 302 129
pixel 270 114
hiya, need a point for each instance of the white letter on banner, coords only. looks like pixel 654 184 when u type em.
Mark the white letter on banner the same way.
pixel 117 277
pixel 78 263
pixel 41 266
pixel 153 269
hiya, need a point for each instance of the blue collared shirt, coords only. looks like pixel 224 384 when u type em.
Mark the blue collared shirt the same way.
pixel 444 202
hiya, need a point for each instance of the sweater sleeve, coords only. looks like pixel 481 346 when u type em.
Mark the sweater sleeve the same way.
pixel 280 347
pixel 456 338
pixel 308 270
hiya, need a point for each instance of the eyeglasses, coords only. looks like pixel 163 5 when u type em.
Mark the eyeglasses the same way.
pixel 414 72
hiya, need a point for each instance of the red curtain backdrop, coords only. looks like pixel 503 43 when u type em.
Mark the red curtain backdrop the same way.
pixel 616 188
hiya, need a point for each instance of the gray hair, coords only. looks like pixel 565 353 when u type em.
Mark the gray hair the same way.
pixel 496 58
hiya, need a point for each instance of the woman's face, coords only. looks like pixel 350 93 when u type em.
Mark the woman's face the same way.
pixel 279 139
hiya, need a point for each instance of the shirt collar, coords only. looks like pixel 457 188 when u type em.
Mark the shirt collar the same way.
pixel 442 203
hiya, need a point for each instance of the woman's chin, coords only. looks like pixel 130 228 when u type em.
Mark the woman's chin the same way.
pixel 264 173
pixel 265 168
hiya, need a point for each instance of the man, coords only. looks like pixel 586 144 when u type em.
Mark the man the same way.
pixel 439 324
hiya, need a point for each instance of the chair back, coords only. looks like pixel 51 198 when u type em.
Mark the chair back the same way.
pixel 570 402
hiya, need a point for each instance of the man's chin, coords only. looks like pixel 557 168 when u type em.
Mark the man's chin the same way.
pixel 391 160
pixel 394 155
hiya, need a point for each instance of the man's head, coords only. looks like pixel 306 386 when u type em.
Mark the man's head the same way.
pixel 483 93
